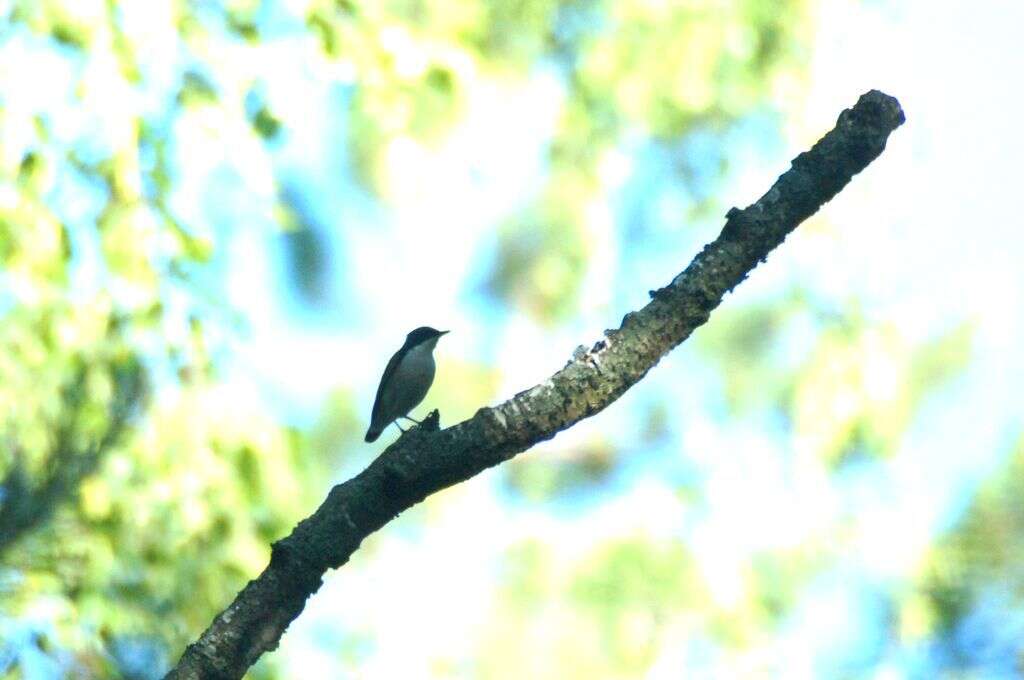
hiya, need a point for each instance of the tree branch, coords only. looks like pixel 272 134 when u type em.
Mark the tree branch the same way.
pixel 422 462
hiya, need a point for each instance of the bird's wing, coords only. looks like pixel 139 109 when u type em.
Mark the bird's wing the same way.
pixel 388 371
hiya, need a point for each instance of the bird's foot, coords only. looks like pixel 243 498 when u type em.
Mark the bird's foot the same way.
pixel 432 423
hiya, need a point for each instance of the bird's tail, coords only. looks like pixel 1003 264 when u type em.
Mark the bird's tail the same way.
pixel 372 434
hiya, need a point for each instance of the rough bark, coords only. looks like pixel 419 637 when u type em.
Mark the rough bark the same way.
pixel 424 461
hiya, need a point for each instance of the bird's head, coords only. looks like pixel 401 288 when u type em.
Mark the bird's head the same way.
pixel 423 334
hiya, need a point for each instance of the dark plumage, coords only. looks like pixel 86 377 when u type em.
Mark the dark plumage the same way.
pixel 406 380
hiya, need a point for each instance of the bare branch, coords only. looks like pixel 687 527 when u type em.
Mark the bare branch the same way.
pixel 423 462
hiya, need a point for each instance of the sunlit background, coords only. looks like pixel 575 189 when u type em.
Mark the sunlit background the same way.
pixel 219 219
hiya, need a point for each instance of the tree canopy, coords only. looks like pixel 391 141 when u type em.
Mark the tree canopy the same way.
pixel 172 170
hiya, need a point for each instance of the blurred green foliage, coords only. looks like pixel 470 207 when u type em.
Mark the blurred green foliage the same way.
pixel 139 491
pixel 981 558
pixel 630 68
pixel 602 617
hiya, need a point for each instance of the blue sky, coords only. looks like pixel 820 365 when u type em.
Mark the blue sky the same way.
pixel 921 241
pixel 925 239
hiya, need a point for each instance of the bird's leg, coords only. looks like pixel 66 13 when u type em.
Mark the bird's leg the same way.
pixel 395 423
pixel 412 419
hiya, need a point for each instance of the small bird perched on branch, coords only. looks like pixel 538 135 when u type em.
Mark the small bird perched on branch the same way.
pixel 405 382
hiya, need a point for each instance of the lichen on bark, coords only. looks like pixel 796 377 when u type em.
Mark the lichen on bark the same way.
pixel 425 460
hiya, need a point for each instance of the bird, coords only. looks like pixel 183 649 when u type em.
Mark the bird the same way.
pixel 405 382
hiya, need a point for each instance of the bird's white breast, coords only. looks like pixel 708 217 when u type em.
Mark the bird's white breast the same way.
pixel 417 365
pixel 410 382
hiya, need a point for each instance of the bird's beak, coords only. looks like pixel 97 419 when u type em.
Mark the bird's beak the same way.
pixel 443 333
